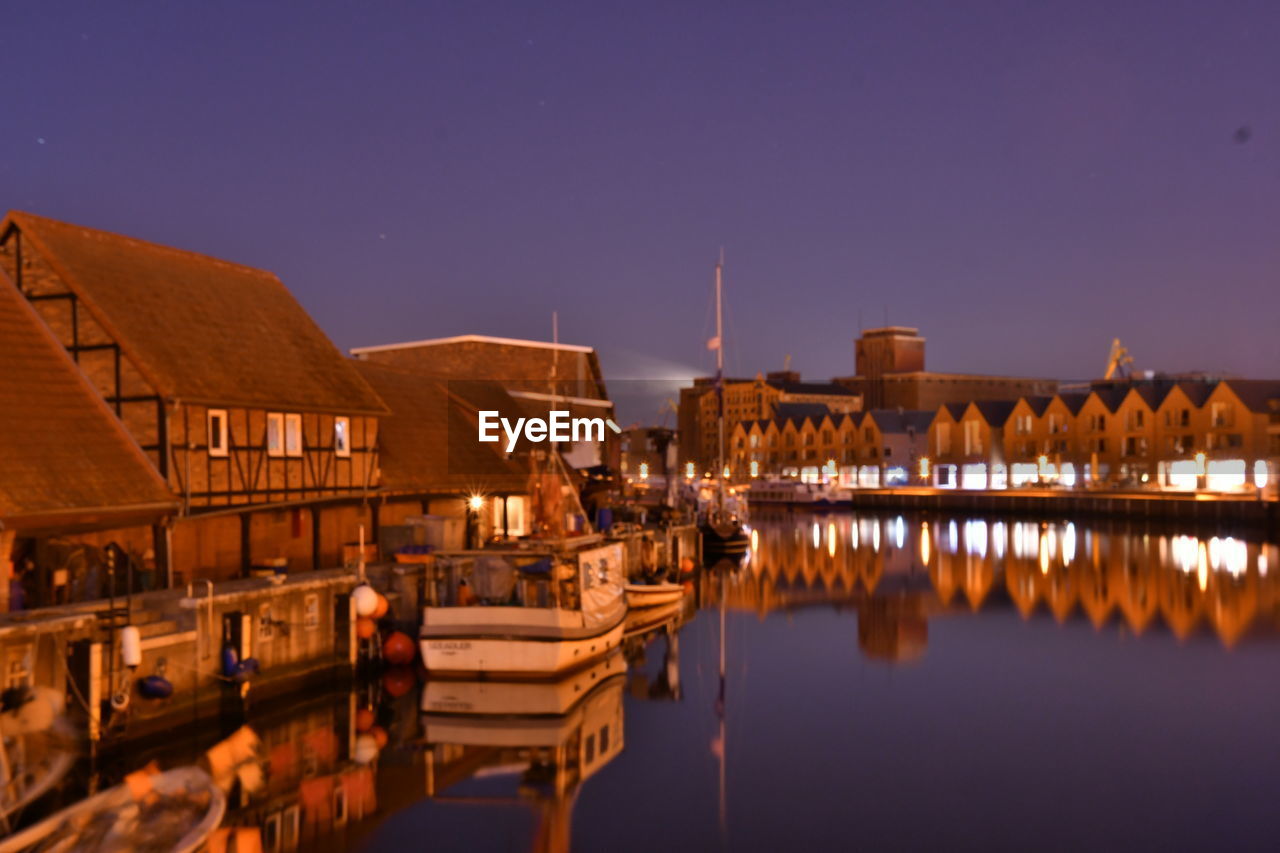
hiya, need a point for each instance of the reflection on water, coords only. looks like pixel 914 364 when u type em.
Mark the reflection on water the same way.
pixel 1070 685
pixel 896 570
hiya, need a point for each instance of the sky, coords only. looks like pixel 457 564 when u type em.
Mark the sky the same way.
pixel 1021 181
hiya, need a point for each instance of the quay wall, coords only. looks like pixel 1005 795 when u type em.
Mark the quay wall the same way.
pixel 1244 513
pixel 300 630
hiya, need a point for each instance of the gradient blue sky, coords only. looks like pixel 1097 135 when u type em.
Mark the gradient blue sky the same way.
pixel 1022 181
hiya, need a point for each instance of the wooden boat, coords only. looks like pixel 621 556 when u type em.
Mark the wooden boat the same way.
pixel 653 594
pixel 172 811
pixel 798 494
pixel 524 613
pixel 37 748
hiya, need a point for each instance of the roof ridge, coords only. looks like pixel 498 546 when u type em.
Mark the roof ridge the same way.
pixel 138 243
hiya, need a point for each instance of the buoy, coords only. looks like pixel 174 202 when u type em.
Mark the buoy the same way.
pixel 155 687
pixel 131 646
pixel 366 600
pixel 365 719
pixel 381 609
pixel 366 749
pixel 379 736
pixel 686 565
pixel 365 627
pixel 398 649
pixel 398 681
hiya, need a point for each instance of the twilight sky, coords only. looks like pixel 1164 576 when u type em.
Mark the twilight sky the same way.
pixel 1021 182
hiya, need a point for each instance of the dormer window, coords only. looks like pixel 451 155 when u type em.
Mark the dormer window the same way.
pixel 342 436
pixel 217 432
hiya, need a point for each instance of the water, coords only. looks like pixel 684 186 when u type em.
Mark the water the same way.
pixel 888 683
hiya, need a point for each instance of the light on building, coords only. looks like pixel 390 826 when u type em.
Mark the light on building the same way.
pixel 924 470
pixel 755 468
pixel 1260 474
pixel 644 470
pixel 475 503
pixel 688 470
pixel 1043 462
pixel 725 472
pixel 1200 464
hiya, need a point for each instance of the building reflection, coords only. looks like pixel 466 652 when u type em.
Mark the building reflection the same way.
pixel 897 571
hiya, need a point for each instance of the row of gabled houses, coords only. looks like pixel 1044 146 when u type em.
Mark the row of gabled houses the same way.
pixel 1169 434
pixel 173 417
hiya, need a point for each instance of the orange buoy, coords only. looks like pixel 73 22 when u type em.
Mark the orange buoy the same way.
pixel 398 681
pixel 365 627
pixel 379 736
pixel 398 649
pixel 365 719
pixel 381 609
pixel 686 565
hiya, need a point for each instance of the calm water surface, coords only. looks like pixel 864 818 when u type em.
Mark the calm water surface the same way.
pixel 888 682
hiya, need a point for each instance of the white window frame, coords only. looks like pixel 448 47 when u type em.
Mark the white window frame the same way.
pixel 275 419
pixel 222 432
pixel 342 436
pixel 293 435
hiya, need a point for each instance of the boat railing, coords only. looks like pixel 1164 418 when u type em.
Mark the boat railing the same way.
pixel 503 578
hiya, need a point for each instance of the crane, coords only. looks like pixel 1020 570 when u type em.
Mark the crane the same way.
pixel 1119 362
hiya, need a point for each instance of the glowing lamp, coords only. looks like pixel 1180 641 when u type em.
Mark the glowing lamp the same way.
pixel 1200 464
pixel 924 468
pixel 475 503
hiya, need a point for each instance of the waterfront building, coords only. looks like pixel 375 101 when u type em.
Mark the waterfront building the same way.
pixel 892 442
pixel 778 394
pixel 538 375
pixel 431 466
pixel 945 445
pixel 248 413
pixel 1181 427
pixel 891 373
pixel 1027 442
pixel 72 478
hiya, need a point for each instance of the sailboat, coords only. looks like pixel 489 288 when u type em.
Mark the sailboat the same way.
pixel 721 527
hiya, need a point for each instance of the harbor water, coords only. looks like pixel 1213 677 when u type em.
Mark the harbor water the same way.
pixel 862 681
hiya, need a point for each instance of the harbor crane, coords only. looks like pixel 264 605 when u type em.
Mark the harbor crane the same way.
pixel 1119 362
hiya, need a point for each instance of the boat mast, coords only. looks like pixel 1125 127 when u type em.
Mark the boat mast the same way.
pixel 720 382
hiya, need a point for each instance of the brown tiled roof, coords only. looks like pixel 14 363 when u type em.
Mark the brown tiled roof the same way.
pixel 428 444
pixel 65 460
pixel 1258 395
pixel 200 329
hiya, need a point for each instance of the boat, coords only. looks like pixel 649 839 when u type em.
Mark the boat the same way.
pixel 446 699
pixel 645 619
pixel 172 811
pixel 652 594
pixel 799 494
pixel 37 748
pixel 524 612
pixel 722 527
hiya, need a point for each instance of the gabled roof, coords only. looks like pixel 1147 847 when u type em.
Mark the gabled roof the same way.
pixel 995 412
pixel 956 410
pixel 1111 398
pixel 1073 401
pixel 429 443
pixel 900 420
pixel 200 329
pixel 1258 395
pixel 1197 392
pixel 1038 404
pixel 1152 395
pixel 65 459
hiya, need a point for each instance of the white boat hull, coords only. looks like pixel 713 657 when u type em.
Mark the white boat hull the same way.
pixel 519 656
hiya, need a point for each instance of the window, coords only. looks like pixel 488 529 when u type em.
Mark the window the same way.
pixel 293 435
pixel 217 432
pixel 275 434
pixel 311 612
pixel 342 436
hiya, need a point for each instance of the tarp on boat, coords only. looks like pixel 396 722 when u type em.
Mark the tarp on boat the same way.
pixel 603 579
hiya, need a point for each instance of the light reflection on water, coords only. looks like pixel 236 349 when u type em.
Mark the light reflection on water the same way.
pixel 888 682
